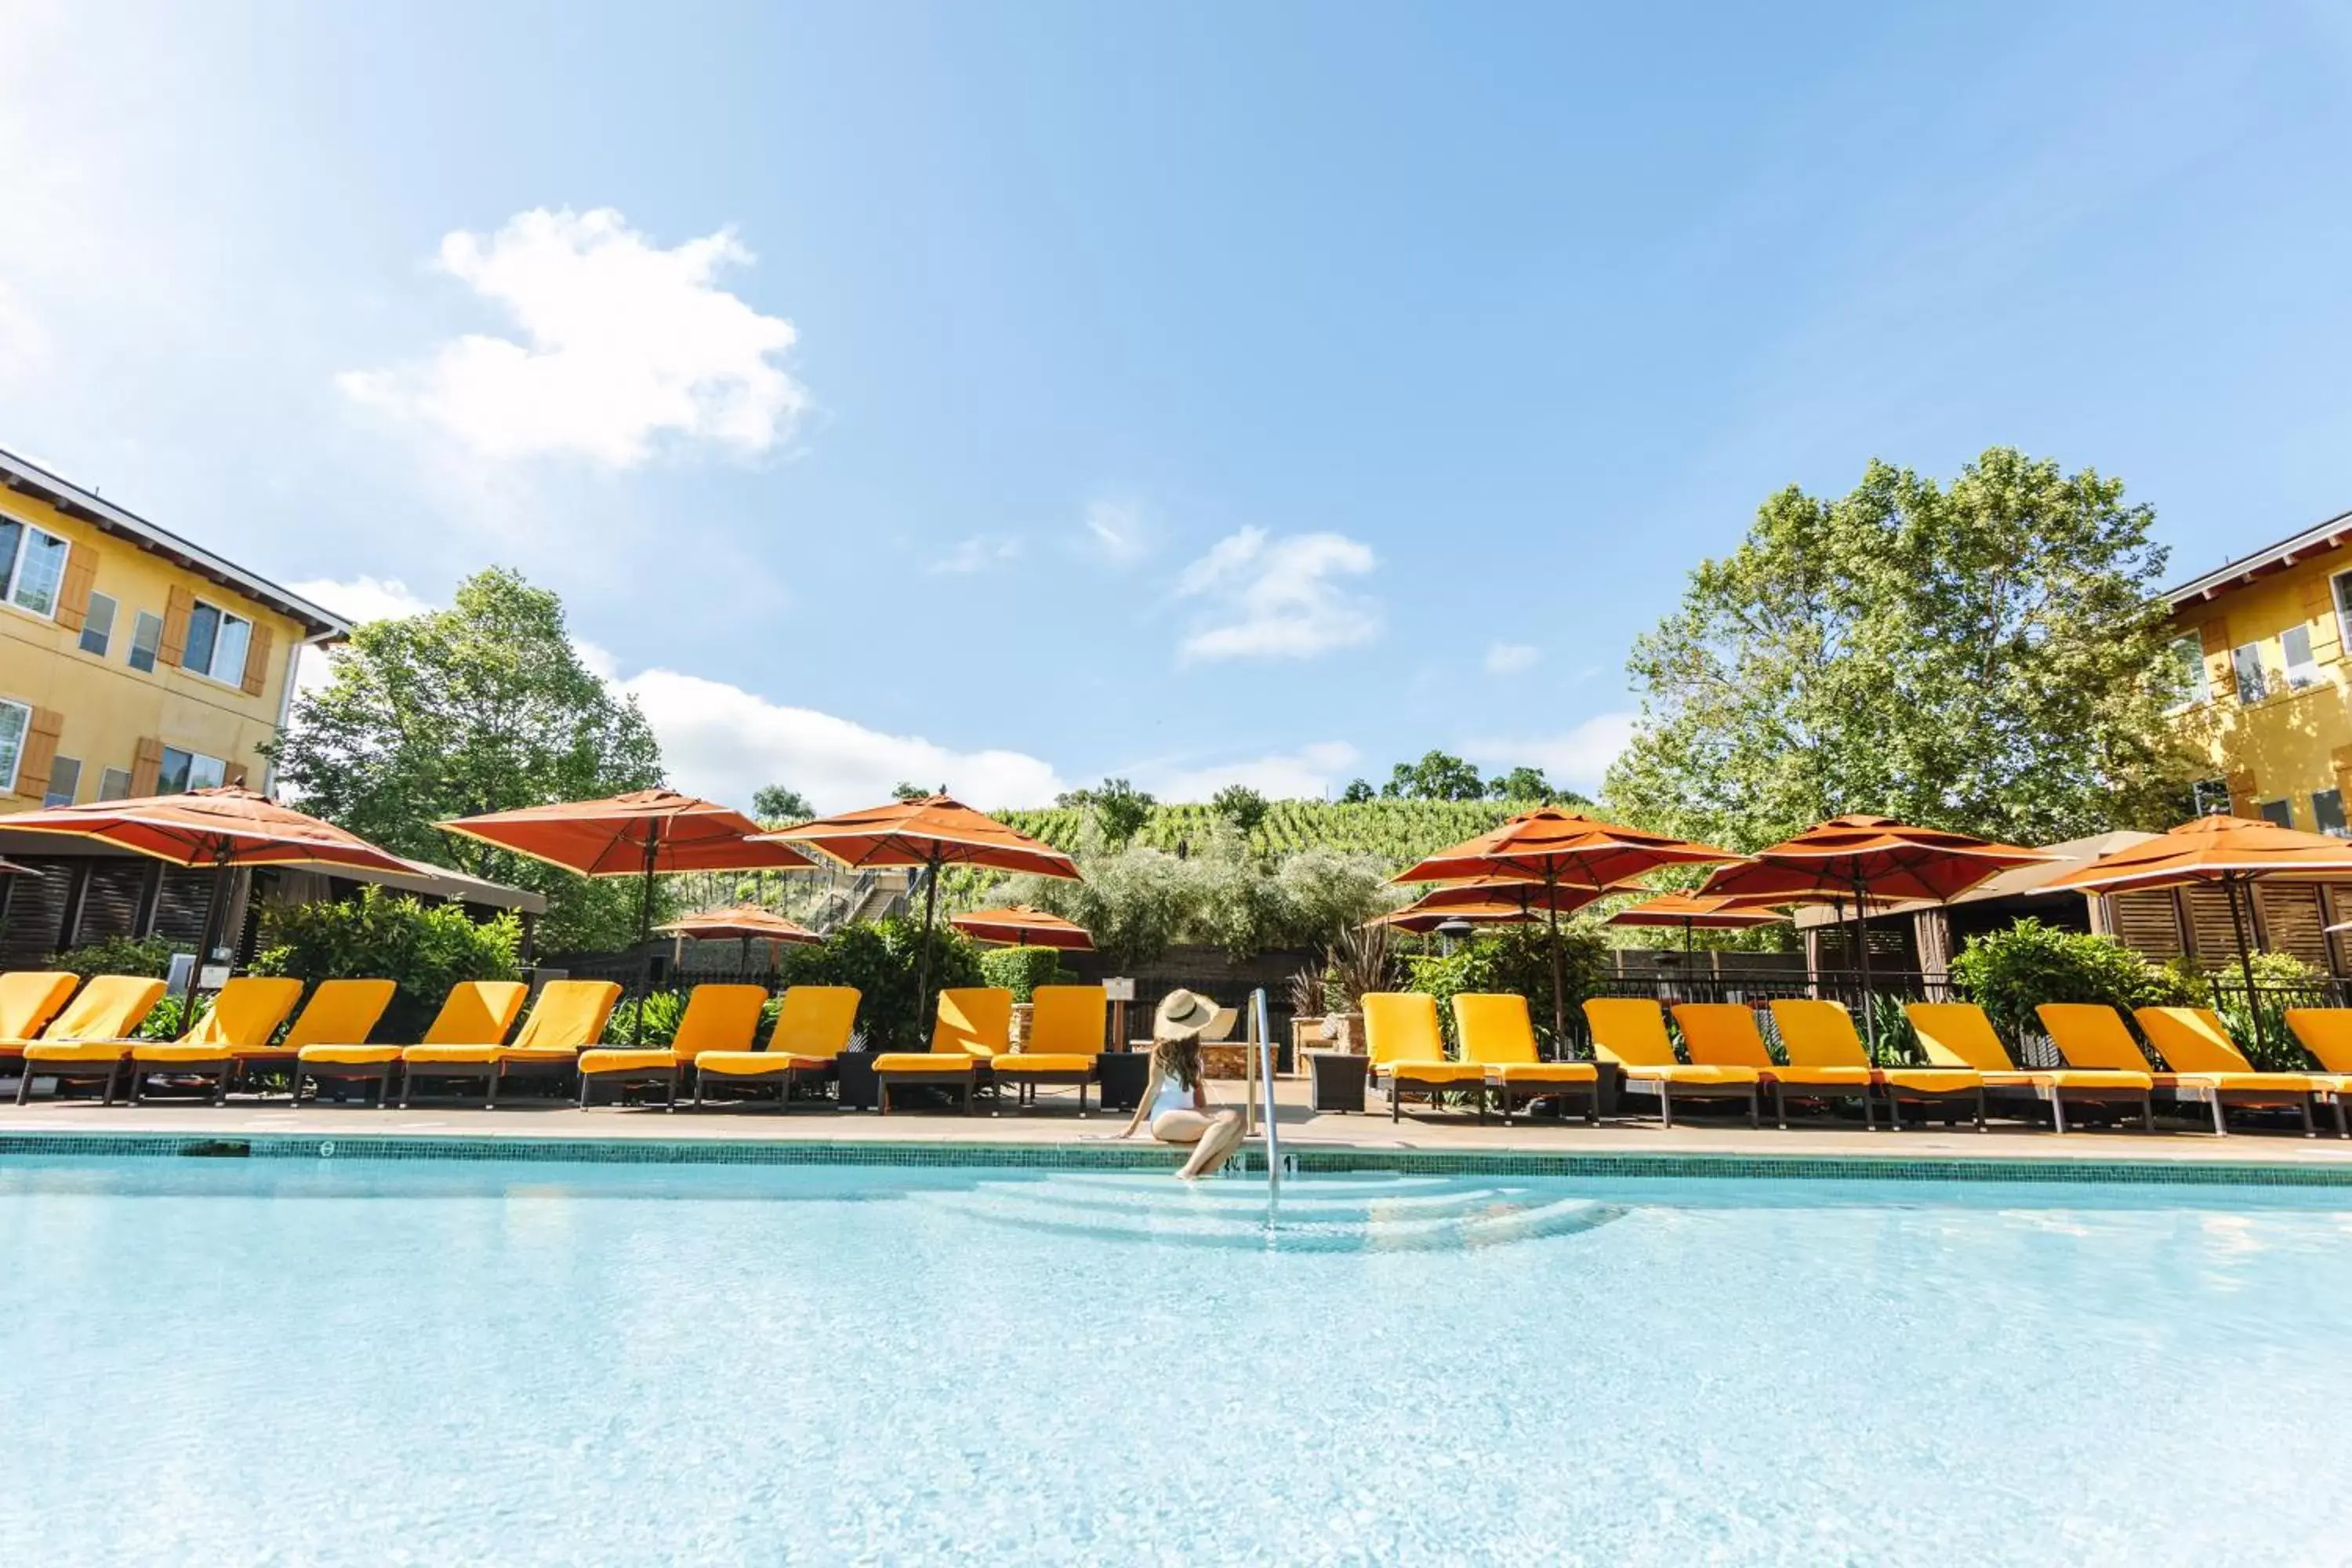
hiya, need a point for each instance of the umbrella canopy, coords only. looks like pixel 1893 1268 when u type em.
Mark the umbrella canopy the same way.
pixel 1528 898
pixel 931 833
pixel 1419 918
pixel 1556 848
pixel 222 829
pixel 1692 910
pixel 747 922
pixel 1022 926
pixel 634 834
pixel 2232 851
pixel 1868 856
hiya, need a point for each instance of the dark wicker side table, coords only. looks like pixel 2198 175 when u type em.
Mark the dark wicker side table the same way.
pixel 1338 1080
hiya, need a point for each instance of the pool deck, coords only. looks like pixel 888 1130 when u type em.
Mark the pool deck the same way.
pixel 1054 1126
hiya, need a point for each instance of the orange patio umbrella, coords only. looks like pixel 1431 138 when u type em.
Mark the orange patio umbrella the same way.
pixel 641 834
pixel 1860 858
pixel 1021 926
pixel 223 827
pixel 1529 898
pixel 933 832
pixel 1423 916
pixel 1556 848
pixel 2234 851
pixel 746 923
pixel 1693 912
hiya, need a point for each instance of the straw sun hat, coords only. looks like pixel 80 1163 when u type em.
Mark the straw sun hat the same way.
pixel 1184 1016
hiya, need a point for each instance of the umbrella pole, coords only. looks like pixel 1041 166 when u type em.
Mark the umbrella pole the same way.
pixel 644 935
pixel 923 959
pixel 1869 1001
pixel 1558 976
pixel 216 920
pixel 2245 964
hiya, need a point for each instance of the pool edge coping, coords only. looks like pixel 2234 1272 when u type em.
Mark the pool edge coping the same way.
pixel 1322 1158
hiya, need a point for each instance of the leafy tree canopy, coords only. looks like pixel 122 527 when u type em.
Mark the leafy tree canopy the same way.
pixel 1358 791
pixel 1118 808
pixel 1439 776
pixel 903 791
pixel 1241 805
pixel 1979 655
pixel 484 706
pixel 780 803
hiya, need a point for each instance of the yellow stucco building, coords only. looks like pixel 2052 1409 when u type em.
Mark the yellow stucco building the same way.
pixel 131 661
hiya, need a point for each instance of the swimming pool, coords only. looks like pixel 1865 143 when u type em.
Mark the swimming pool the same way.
pixel 360 1361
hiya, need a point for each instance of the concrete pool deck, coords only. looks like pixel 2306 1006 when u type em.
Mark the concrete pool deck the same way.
pixel 1054 1126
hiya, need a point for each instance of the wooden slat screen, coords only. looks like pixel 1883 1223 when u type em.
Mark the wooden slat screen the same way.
pixel 2148 923
pixel 2291 921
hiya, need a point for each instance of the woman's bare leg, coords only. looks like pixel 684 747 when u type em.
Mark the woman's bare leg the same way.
pixel 1217 1145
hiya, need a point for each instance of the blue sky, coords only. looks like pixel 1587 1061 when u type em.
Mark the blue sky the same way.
pixel 1012 395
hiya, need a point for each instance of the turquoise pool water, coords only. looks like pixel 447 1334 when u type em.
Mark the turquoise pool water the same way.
pixel 272 1360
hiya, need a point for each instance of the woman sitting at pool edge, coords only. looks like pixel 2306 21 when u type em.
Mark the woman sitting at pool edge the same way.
pixel 1175 1105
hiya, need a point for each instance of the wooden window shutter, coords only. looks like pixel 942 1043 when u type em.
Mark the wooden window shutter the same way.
pixel 2319 609
pixel 2213 635
pixel 256 660
pixel 146 767
pixel 73 595
pixel 233 774
pixel 178 606
pixel 40 752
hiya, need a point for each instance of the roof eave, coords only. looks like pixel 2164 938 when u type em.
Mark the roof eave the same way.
pixel 2328 535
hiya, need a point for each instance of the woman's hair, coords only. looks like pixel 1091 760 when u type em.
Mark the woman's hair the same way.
pixel 1179 1060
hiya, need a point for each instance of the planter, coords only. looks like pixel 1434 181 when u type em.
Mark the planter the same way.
pixel 1344 1031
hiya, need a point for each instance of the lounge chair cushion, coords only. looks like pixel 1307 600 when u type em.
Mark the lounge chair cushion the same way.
pixel 612 1060
pixel 1435 1071
pixel 340 1012
pixel 1931 1080
pixel 456 1056
pixel 1042 1061
pixel 559 1054
pixel 2092 1077
pixel 29 998
pixel 2326 1033
pixel 1542 1072
pixel 2248 1082
pixel 1704 1075
pixel 351 1055
pixel 77 1050
pixel 944 1063
pixel 179 1052
pixel 1821 1077
pixel 758 1064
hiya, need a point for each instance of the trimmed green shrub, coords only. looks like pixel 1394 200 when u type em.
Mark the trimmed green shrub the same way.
pixel 1020 970
pixel 880 959
pixel 663 1011
pixel 172 1017
pixel 423 948
pixel 147 956
pixel 2010 973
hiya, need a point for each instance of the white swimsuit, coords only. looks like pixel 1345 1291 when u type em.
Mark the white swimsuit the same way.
pixel 1173 1095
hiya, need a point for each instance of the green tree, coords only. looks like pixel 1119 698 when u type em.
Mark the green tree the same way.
pixel 1118 808
pixel 1980 656
pixel 1358 791
pixel 1241 805
pixel 1523 785
pixel 1439 776
pixel 484 706
pixel 904 791
pixel 780 803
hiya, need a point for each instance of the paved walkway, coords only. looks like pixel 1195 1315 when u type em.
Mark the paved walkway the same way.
pixel 1055 1122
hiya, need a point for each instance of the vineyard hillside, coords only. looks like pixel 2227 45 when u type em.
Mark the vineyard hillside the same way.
pixel 1398 831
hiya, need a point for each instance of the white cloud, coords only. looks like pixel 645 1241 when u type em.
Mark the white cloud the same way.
pixel 1275 597
pixel 1511 657
pixel 977 553
pixel 723 742
pixel 1577 758
pixel 622 344
pixel 1115 530
pixel 1307 773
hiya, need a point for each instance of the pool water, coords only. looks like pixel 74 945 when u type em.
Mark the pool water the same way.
pixel 271 1361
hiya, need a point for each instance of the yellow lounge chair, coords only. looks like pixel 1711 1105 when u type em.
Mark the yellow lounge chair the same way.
pixel 1818 1035
pixel 242 1018
pixel 1066 1024
pixel 2326 1033
pixel 975 1026
pixel 717 1018
pixel 29 998
pixel 338 1010
pixel 1958 1033
pixel 812 1028
pixel 1497 1036
pixel 569 1017
pixel 1407 1050
pixel 1631 1031
pixel 89 1041
pixel 1724 1033
pixel 474 1011
pixel 2206 1065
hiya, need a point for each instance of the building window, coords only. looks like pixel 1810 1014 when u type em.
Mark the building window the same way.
pixel 2302 669
pixel 2327 812
pixel 2246 658
pixel 98 627
pixel 217 644
pixel 146 636
pixel 34 563
pixel 2190 685
pixel 114 784
pixel 65 781
pixel 15 718
pixel 184 770
pixel 2210 797
pixel 2342 584
pixel 2276 811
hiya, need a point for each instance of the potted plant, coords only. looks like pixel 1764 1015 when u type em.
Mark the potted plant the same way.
pixel 1357 962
